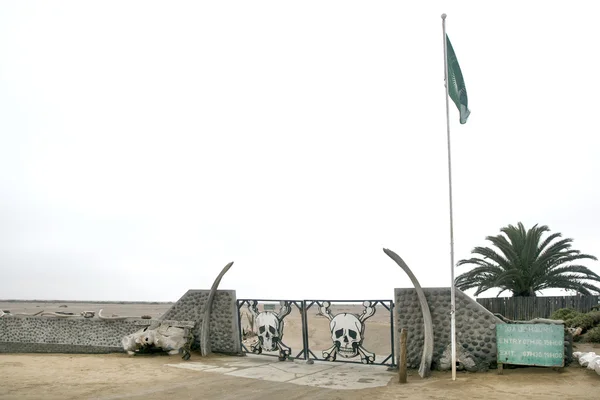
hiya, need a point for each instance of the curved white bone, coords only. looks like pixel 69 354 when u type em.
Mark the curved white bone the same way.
pixel 256 347
pixel 368 311
pixel 253 307
pixel 366 355
pixel 21 313
pixel 53 314
pixel 330 353
pixel 285 309
pixel 205 327
pixel 117 318
pixel 425 368
pixel 284 351
pixel 324 308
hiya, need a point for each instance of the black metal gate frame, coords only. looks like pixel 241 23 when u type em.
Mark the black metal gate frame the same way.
pixel 240 303
pixel 303 306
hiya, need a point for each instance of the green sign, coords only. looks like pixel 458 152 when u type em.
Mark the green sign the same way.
pixel 530 344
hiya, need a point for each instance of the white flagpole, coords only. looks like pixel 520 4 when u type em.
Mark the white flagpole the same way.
pixel 452 291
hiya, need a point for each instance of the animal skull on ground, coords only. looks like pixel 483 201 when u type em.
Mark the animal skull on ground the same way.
pixel 575 331
pixel 270 329
pixel 347 333
pixel 171 339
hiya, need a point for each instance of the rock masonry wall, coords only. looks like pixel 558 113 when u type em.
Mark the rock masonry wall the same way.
pixel 475 327
pixel 23 334
pixel 224 323
pixel 37 334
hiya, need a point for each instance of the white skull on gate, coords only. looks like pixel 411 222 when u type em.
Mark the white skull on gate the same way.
pixel 346 334
pixel 268 330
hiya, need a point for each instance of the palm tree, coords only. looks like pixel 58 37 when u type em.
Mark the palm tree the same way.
pixel 524 264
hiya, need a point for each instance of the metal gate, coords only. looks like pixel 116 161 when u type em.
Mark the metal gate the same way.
pixel 352 331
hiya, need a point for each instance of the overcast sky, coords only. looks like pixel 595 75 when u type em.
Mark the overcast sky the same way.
pixel 144 145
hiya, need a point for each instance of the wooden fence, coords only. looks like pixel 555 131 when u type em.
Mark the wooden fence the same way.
pixel 525 308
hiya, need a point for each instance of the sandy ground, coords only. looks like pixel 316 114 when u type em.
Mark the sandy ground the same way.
pixel 126 309
pixel 117 376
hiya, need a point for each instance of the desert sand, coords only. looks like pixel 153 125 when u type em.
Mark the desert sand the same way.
pixel 154 309
pixel 119 376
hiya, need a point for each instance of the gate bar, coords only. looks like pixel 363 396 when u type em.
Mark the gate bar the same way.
pixel 392 309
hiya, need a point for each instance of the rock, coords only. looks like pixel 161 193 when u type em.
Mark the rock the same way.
pixel 593 363
pixel 463 357
pixel 585 359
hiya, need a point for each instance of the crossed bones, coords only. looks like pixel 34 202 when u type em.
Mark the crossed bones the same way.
pixel 270 329
pixel 346 321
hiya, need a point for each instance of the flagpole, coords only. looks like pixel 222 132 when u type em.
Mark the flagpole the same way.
pixel 452 290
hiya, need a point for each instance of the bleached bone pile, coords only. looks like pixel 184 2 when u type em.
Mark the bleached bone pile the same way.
pixel 589 360
pixel 164 336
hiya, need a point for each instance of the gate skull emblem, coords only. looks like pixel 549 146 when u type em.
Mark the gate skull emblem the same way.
pixel 270 330
pixel 347 334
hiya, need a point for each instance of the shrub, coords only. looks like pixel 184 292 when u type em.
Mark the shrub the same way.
pixel 595 316
pixel 593 335
pixel 585 321
pixel 564 314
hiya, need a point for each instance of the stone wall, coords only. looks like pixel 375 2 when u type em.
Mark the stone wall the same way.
pixel 21 334
pixel 37 334
pixel 224 323
pixel 475 328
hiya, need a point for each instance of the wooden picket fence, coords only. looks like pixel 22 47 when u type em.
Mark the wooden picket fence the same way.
pixel 526 308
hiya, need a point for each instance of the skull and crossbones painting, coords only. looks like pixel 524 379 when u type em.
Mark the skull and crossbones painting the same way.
pixel 270 330
pixel 347 334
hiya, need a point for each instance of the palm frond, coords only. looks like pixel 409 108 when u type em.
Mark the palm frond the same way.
pixel 546 242
pixel 505 247
pixel 575 269
pixel 523 262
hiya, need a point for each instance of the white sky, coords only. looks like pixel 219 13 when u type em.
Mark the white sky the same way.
pixel 143 145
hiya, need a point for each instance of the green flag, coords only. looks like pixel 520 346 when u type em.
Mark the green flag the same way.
pixel 456 88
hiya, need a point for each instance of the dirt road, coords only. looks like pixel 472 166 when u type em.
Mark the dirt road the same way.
pixel 118 376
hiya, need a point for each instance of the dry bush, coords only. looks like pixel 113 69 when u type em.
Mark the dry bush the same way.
pixel 564 314
pixel 593 335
